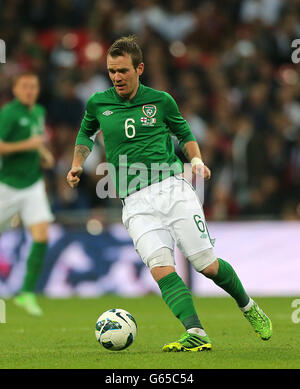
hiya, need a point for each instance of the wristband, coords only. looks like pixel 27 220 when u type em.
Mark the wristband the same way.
pixel 197 161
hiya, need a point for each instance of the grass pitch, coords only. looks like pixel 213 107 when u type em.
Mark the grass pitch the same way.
pixel 64 337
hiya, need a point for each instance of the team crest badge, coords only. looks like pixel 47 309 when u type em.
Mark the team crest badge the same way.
pixel 24 121
pixel 149 110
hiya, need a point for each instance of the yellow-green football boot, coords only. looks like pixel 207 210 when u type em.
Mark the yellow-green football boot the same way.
pixel 259 321
pixel 189 342
pixel 27 301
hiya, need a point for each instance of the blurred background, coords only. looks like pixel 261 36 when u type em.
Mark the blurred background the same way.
pixel 228 65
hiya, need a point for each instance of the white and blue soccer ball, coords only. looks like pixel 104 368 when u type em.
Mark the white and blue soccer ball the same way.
pixel 116 329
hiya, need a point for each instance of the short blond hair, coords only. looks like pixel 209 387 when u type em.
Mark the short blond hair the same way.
pixel 24 74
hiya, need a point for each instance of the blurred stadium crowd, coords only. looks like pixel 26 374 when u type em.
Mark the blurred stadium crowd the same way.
pixel 227 63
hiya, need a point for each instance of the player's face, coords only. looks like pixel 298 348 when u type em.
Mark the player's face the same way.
pixel 27 89
pixel 123 75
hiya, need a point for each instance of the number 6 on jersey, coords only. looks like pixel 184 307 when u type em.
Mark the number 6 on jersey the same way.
pixel 129 127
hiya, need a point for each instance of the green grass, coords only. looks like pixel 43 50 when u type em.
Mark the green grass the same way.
pixel 64 337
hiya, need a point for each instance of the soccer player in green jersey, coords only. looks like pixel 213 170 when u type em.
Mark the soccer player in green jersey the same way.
pixel 22 188
pixel 158 208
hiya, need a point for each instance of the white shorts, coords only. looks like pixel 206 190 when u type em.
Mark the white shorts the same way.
pixel 30 203
pixel 164 213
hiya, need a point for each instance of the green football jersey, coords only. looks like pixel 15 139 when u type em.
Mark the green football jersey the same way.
pixel 17 123
pixel 137 136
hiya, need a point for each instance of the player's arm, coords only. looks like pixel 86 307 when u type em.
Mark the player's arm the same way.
pixel 33 143
pixel 7 125
pixel 84 144
pixel 187 141
pixel 47 158
pixel 81 152
pixel 192 153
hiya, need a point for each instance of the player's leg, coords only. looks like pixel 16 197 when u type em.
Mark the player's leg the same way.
pixel 174 291
pixel 190 229
pixel 10 203
pixel 223 275
pixel 178 298
pixel 156 250
pixel 27 298
pixel 160 272
pixel 155 245
pixel 39 233
pixel 36 216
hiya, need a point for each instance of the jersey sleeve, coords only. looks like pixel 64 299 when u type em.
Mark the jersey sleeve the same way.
pixel 89 126
pixel 6 124
pixel 176 123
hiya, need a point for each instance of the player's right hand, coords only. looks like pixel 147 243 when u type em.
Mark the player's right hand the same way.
pixel 73 176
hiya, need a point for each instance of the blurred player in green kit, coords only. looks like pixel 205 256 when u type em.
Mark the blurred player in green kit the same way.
pixel 137 123
pixel 22 188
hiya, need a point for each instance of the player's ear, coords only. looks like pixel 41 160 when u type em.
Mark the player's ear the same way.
pixel 140 69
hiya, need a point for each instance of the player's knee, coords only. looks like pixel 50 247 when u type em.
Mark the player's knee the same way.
pixel 203 261
pixel 39 232
pixel 159 272
pixel 211 270
pixel 161 258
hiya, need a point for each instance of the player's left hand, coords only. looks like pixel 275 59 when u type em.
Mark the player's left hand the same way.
pixel 203 170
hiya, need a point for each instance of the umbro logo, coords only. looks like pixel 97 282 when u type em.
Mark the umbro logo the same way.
pixel 107 113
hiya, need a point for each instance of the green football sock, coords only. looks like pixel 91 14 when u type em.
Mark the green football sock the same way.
pixel 179 299
pixel 34 266
pixel 228 280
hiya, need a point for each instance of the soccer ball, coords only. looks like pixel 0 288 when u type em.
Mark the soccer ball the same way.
pixel 116 329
